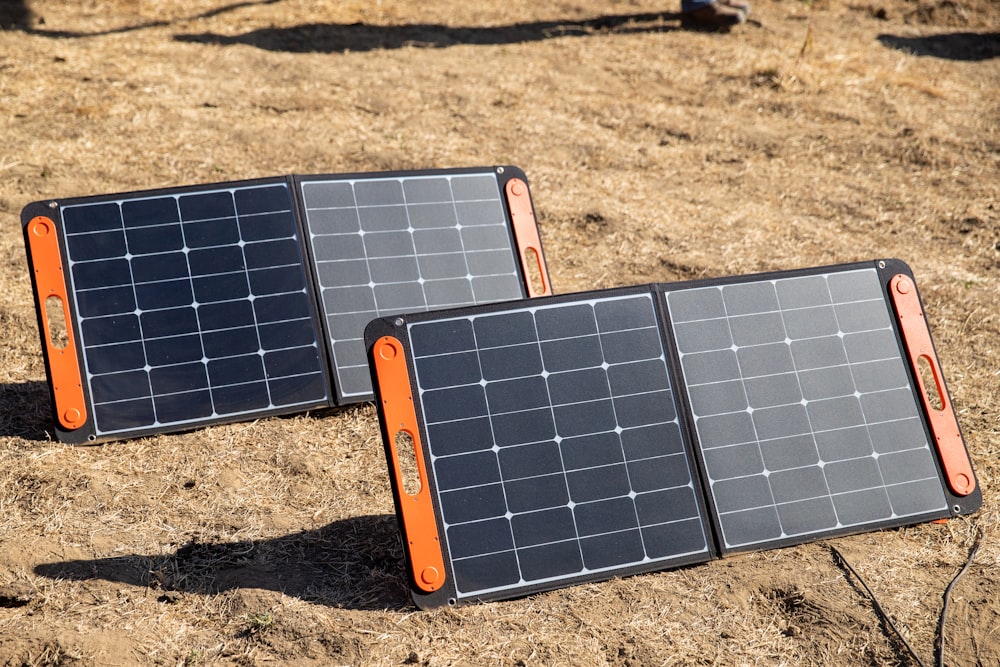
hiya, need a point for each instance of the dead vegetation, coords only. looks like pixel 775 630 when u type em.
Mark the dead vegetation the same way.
pixel 653 154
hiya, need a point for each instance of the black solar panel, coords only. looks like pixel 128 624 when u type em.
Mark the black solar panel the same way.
pixel 216 303
pixel 582 437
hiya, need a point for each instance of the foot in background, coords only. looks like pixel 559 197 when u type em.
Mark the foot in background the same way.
pixel 714 14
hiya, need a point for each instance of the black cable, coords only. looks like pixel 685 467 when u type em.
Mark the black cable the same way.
pixel 878 608
pixel 947 595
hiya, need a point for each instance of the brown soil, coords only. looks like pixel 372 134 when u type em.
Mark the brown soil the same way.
pixel 849 132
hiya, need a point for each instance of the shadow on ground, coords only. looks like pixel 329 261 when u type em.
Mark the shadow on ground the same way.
pixel 25 410
pixel 333 37
pixel 354 563
pixel 970 46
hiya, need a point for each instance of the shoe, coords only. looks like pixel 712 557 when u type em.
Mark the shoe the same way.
pixel 738 5
pixel 716 16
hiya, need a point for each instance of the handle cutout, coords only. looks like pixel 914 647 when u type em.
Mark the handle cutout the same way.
pixel 55 317
pixel 533 271
pixel 931 385
pixel 406 457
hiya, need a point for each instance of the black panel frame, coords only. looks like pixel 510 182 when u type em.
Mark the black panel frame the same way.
pixel 52 209
pixel 397 327
pixel 886 269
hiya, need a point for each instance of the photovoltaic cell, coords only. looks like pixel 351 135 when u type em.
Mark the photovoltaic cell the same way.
pixel 618 431
pixel 403 244
pixel 805 417
pixel 213 303
pixel 192 307
pixel 554 443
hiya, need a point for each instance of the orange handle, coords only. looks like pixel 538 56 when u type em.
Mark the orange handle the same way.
pixel 529 244
pixel 50 281
pixel 944 425
pixel 423 543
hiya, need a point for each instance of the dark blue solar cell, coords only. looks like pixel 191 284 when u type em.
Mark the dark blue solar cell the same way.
pixel 211 261
pixel 124 415
pixel 468 470
pixel 91 218
pixel 230 342
pixel 178 378
pixel 101 274
pixel 207 206
pixel 99 245
pixel 567 322
pixel 240 398
pixel 101 302
pixel 120 387
pixel 299 389
pixel 112 329
pixel 493 535
pixel 485 572
pixel 293 333
pixel 620 548
pixel 221 232
pixel 149 212
pixel 147 240
pixel 166 294
pixel 281 308
pixel 236 370
pixel 222 287
pixel 277 281
pixel 173 350
pixel 114 358
pixel 275 253
pixel 473 504
pixel 264 199
pixel 267 226
pixel 170 322
pixel 292 361
pixel 166 266
pixel 183 407
pixel 550 560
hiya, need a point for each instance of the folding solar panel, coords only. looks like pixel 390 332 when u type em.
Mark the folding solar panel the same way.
pixel 197 305
pixel 605 433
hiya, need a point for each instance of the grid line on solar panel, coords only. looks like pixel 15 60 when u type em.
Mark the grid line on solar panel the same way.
pixel 554 443
pixel 390 245
pixel 805 417
pixel 192 306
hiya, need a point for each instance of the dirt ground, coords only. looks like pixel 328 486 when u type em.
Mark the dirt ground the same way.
pixel 848 131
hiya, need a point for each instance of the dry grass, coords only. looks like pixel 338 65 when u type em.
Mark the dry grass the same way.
pixel 654 154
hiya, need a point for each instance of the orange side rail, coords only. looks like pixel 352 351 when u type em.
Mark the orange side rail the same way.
pixel 50 282
pixel 944 424
pixel 424 545
pixel 529 244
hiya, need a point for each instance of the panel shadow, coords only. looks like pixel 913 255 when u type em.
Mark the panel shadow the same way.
pixel 354 563
pixel 25 410
pixel 967 46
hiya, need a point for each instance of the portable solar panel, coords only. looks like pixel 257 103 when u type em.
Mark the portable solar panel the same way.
pixel 538 444
pixel 197 305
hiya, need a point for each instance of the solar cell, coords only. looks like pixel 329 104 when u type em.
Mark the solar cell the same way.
pixel 405 243
pixel 806 419
pixel 581 437
pixel 214 303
